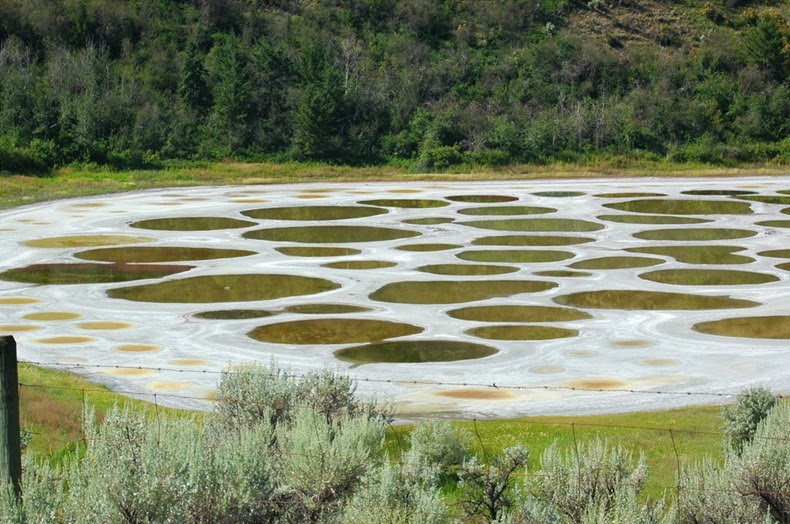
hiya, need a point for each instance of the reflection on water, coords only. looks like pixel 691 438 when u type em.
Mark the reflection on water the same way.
pixel 332 331
pixel 482 199
pixel 616 263
pixel 649 300
pixel 467 269
pixel 699 254
pixel 159 254
pixel 313 251
pixel 414 351
pixel 89 273
pixel 777 327
pixel 531 240
pixel 707 277
pixel 652 219
pixel 535 224
pixel 86 241
pixel 683 207
pixel 695 234
pixel 507 210
pixel 518 314
pixel 521 332
pixel 192 223
pixel 319 213
pixel 452 292
pixel 224 288
pixel 330 234
pixel 523 256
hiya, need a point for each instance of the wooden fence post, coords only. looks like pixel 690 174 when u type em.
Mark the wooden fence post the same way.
pixel 10 446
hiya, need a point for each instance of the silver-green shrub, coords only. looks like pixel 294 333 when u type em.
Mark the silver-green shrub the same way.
pixel 741 419
pixel 752 487
pixel 595 483
pixel 437 443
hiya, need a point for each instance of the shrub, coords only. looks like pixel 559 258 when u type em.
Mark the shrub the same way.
pixel 741 419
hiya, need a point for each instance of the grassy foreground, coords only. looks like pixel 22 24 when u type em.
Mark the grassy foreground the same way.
pixel 51 410
pixel 18 190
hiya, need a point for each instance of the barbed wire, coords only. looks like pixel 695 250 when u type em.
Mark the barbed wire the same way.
pixel 492 385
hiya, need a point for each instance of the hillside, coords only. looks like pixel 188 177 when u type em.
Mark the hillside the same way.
pixel 426 84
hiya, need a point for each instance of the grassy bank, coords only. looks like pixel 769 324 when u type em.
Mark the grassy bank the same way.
pixel 17 190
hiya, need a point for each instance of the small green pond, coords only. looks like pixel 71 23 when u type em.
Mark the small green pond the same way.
pixel 774 327
pixel 531 240
pixel 683 207
pixel 521 332
pixel 695 234
pixel 507 210
pixel 360 264
pixel 515 256
pixel 707 277
pixel 453 292
pixel 518 313
pixel 652 219
pixel 649 300
pixel 536 225
pixel 616 263
pixel 192 224
pixel 482 199
pixel 142 254
pixel 329 234
pixel 332 331
pixel 409 203
pixel 314 213
pixel 697 254
pixel 467 269
pixel 88 273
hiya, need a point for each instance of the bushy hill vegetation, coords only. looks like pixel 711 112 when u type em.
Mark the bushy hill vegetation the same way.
pixel 423 83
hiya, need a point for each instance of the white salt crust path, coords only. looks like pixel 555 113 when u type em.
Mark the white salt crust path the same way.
pixel 644 351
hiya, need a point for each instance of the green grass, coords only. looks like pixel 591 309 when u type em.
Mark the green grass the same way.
pixel 50 407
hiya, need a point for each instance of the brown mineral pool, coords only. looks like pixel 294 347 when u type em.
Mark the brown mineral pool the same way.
pixel 330 234
pixel 429 221
pixel 18 301
pixel 649 300
pixel 467 269
pixel 775 327
pixel 582 353
pixel 332 331
pixel 192 223
pixel 406 203
pixel 775 253
pixel 652 219
pixel 683 207
pixel 695 234
pixel 360 264
pixel 131 372
pixel 170 385
pixel 453 292
pixel 659 362
pixel 325 309
pixel 518 314
pixel 87 241
pixel 629 195
pixel 707 277
pixel 522 256
pixel 546 370
pixel 318 213
pixel 475 394
pixel 414 352
pixel 482 199
pixel 616 263
pixel 428 247
pixel 536 224
pixel 52 315
pixel 235 314
pixel 768 199
pixel 718 192
pixel 521 332
pixel 531 240
pixel 225 288
pixel 631 343
pixel 14 328
pixel 702 254
pixel 507 210
pixel 105 325
pixel 559 194
pixel 774 223
pixel 189 362
pixel 312 251
pixel 74 339
pixel 596 383
pixel 562 273
pixel 160 254
pixel 88 273
pixel 138 348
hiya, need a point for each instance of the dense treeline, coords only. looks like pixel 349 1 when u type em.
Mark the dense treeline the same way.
pixel 428 83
